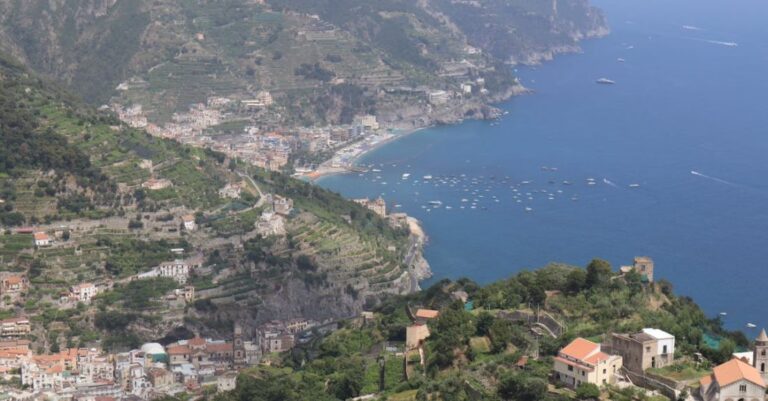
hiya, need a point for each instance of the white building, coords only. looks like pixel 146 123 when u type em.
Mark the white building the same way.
pixel 665 341
pixel 42 239
pixel 270 223
pixel 189 222
pixel 733 380
pixel 177 270
pixel 83 292
pixel 582 361
pixel 231 191
pixel 438 97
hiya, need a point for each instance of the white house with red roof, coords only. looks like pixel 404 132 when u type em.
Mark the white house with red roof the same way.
pixel 42 239
pixel 734 380
pixel 582 361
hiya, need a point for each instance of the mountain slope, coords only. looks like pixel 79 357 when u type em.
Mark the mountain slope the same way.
pixel 112 199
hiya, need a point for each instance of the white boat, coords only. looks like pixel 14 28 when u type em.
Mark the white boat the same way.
pixel 751 325
pixel 406 175
pixel 634 185
pixel 723 314
pixel 435 203
pixel 528 209
pixel 605 81
pixel 376 170
pixel 427 177
pixel 621 60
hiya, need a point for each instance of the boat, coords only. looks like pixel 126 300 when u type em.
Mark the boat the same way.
pixel 435 203
pixel 751 325
pixel 376 170
pixel 528 209
pixel 406 175
pixel 427 177
pixel 621 60
pixel 634 185
pixel 605 81
pixel 723 314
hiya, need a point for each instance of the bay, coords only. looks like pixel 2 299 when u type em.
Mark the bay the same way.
pixel 676 148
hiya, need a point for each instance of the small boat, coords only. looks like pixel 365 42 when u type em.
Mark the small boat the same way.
pixel 528 209
pixel 621 60
pixel 751 325
pixel 435 203
pixel 634 185
pixel 376 170
pixel 406 175
pixel 427 177
pixel 566 183
pixel 723 314
pixel 605 81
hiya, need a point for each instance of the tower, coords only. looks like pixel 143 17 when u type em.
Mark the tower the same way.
pixel 644 266
pixel 760 357
pixel 239 348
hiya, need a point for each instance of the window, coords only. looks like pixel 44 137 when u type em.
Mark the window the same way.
pixel 665 349
pixel 743 388
pixel 762 367
pixel 570 368
pixel 605 371
pixel 583 373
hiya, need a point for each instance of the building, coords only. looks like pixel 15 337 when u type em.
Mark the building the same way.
pixel 12 285
pixel 368 122
pixel 281 205
pixel 270 223
pixel 424 315
pixel 415 335
pixel 200 352
pixel 238 346
pixel 15 327
pixel 189 222
pixel 378 205
pixel 160 378
pixel 643 265
pixel 438 97
pixel 226 382
pixel 651 348
pixel 83 292
pixel 760 357
pixel 177 270
pixel 582 361
pixel 734 380
pixel 42 239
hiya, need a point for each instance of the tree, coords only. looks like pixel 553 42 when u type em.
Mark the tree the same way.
pixel 522 388
pixel 484 322
pixel 598 273
pixel 587 391
pixel 575 281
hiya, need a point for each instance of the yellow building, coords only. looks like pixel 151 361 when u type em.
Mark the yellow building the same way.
pixel 582 361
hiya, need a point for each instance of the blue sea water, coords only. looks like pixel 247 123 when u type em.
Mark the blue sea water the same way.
pixel 686 99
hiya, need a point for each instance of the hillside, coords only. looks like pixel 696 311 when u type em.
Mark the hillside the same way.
pixel 479 349
pixel 323 61
pixel 107 204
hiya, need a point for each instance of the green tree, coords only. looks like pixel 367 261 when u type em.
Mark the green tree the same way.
pixel 598 273
pixel 587 391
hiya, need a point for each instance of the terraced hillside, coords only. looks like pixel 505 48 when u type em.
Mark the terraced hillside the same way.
pixel 170 54
pixel 115 205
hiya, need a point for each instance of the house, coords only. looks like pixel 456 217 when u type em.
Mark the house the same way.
pixel 160 378
pixel 269 224
pixel 643 265
pixel 415 335
pixel 281 205
pixel 733 380
pixel 423 315
pixel 438 97
pixel 651 348
pixel 13 284
pixel 189 222
pixel 378 205
pixel 83 292
pixel 42 239
pixel 226 381
pixel 582 361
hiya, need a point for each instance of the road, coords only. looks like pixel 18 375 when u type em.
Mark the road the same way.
pixel 255 185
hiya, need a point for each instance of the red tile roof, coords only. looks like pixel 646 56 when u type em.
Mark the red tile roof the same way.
pixel 427 313
pixel 736 370
pixel 580 349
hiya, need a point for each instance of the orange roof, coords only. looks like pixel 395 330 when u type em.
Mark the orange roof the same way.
pixel 188 217
pixel 736 370
pixel 219 347
pixel 705 381
pixel 40 236
pixel 13 280
pixel 427 313
pixel 196 342
pixel 580 349
pixel 178 350
pixel 600 356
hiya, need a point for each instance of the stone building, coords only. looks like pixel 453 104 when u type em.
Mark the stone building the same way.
pixel 760 356
pixel 643 265
pixel 651 348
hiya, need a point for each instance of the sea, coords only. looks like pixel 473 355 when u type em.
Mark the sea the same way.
pixel 670 162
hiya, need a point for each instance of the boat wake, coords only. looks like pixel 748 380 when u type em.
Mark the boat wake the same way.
pixel 698 174
pixel 721 43
pixel 691 28
pixel 605 180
